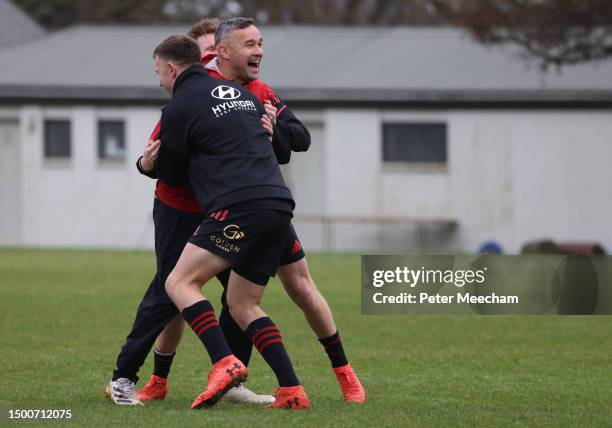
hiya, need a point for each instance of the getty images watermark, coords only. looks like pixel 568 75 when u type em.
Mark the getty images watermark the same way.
pixel 486 284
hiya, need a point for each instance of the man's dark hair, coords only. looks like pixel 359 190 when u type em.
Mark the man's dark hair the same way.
pixel 229 25
pixel 180 49
pixel 203 27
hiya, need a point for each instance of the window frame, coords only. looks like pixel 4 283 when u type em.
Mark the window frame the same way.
pixel 407 118
pixel 46 141
pixel 100 120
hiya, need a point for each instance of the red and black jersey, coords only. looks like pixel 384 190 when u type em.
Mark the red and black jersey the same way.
pixel 177 197
pixel 289 135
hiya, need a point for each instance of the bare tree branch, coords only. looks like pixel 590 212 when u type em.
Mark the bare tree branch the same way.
pixel 555 32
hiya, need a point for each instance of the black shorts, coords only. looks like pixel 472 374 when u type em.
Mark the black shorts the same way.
pixel 293 249
pixel 252 240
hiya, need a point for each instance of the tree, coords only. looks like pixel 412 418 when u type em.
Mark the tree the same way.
pixel 555 32
pixel 55 14
pixel 343 12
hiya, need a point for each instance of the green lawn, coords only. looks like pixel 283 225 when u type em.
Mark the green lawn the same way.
pixel 64 315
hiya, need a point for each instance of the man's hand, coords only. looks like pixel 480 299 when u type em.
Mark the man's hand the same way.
pixel 267 124
pixel 150 153
pixel 271 111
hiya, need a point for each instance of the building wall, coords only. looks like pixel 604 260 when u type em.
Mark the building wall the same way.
pixel 10 178
pixel 306 177
pixel 511 176
pixel 83 201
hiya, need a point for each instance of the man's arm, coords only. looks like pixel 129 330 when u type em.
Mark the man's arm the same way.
pixel 173 159
pixel 296 133
pixel 146 163
pixel 281 146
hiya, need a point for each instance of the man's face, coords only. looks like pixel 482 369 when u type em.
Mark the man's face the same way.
pixel 243 53
pixel 166 73
pixel 206 44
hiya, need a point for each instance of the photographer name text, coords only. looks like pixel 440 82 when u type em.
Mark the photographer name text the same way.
pixel 412 278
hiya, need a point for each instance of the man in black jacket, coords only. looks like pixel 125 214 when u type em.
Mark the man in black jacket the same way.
pixel 212 130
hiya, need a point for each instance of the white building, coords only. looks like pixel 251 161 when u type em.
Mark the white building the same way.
pixel 422 139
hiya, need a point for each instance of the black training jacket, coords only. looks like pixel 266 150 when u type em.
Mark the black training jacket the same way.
pixel 212 129
pixel 293 130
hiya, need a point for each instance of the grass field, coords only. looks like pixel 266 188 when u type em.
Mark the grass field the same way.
pixel 64 315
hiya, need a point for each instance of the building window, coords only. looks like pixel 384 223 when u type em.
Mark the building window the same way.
pixel 57 138
pixel 111 139
pixel 418 143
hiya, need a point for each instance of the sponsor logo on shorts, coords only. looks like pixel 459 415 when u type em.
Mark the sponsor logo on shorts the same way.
pixel 233 232
pixel 297 246
pixel 222 244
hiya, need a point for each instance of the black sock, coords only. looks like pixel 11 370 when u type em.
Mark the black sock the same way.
pixel 162 363
pixel 238 342
pixel 335 352
pixel 267 339
pixel 201 317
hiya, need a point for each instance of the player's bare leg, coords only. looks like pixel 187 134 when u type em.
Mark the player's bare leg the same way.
pixel 244 298
pixel 300 286
pixel 195 267
pixel 170 337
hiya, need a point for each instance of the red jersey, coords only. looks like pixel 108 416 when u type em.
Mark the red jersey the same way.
pixel 182 197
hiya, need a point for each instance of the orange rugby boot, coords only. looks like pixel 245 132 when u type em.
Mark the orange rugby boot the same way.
pixel 225 374
pixel 290 397
pixel 352 390
pixel 155 389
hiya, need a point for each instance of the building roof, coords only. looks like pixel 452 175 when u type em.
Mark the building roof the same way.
pixel 305 64
pixel 16 26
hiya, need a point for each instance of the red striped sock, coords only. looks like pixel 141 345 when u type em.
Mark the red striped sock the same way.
pixel 267 339
pixel 334 349
pixel 201 318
